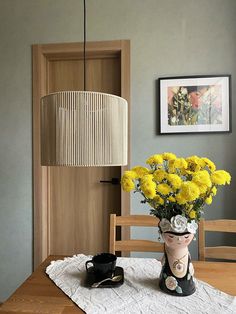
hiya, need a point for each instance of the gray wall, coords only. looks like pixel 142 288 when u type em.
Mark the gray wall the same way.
pixel 168 38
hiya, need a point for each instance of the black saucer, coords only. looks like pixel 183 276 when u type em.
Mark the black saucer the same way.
pixel 92 277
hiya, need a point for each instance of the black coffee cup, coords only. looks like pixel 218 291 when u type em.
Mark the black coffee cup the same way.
pixel 103 264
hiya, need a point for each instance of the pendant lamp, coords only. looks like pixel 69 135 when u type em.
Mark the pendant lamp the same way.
pixel 83 128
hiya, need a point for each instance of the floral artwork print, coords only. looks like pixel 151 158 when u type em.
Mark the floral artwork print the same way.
pixel 194 105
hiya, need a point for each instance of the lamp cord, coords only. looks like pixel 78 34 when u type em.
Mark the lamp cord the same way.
pixel 84 45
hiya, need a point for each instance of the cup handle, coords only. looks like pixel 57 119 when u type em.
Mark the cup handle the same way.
pixel 86 264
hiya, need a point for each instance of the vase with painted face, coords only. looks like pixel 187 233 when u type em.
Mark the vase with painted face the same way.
pixel 176 277
pixel 176 190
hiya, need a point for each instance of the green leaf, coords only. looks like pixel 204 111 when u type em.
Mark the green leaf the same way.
pixel 164 275
pixel 189 276
pixel 179 289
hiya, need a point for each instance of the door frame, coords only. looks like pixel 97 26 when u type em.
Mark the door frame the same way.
pixel 41 56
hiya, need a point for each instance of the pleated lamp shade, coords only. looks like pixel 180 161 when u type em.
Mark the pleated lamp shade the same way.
pixel 83 129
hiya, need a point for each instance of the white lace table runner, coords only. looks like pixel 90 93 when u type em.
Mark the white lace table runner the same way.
pixel 140 292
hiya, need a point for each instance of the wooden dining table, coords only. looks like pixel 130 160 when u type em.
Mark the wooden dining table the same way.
pixel 38 294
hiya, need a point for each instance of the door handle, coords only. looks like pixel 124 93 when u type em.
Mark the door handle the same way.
pixel 114 181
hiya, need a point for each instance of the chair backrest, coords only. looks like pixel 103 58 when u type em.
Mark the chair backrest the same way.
pixel 133 245
pixel 217 252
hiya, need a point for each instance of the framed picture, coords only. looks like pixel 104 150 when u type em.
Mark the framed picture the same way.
pixel 195 104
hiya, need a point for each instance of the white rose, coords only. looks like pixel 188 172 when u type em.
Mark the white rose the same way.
pixel 164 225
pixel 179 223
pixel 171 283
pixel 192 227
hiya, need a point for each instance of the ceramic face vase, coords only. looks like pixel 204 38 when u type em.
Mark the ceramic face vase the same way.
pixel 176 277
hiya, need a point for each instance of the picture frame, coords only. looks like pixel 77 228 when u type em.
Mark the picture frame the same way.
pixel 195 104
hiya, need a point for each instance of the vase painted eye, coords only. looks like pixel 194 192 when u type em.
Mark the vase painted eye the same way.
pixel 171 236
pixel 186 237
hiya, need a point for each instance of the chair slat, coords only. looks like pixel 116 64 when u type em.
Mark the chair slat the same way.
pixel 221 225
pixel 217 252
pixel 139 246
pixel 201 241
pixel 112 233
pixel 134 244
pixel 221 252
pixel 137 220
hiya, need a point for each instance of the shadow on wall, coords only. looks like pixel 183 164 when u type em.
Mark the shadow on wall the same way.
pixel 157 107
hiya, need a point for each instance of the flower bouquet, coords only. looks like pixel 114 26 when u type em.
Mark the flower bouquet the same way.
pixel 176 189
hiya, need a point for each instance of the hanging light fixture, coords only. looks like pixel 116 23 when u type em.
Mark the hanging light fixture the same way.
pixel 83 128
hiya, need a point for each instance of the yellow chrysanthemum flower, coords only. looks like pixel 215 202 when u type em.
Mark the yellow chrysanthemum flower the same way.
pixel 140 171
pixel 189 208
pixel 202 178
pixel 163 188
pixel 211 166
pixel 220 177
pixel 189 191
pixel 195 163
pixel 203 188
pixel 196 160
pixel 149 193
pixel 171 167
pixel 154 159
pixel 130 174
pixel 169 156
pixel 127 184
pixel 192 214
pixel 149 189
pixel 208 200
pixel 171 199
pixel 174 180
pixel 159 175
pixel 158 200
pixel 147 178
pixel 214 191
pixel 180 199
pixel 148 186
pixel 180 163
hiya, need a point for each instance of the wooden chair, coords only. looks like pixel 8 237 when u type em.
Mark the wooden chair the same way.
pixel 217 252
pixel 133 245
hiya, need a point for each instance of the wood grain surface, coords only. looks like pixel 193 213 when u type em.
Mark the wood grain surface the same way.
pixel 38 294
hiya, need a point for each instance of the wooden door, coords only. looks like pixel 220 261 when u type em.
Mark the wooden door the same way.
pixel 71 206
